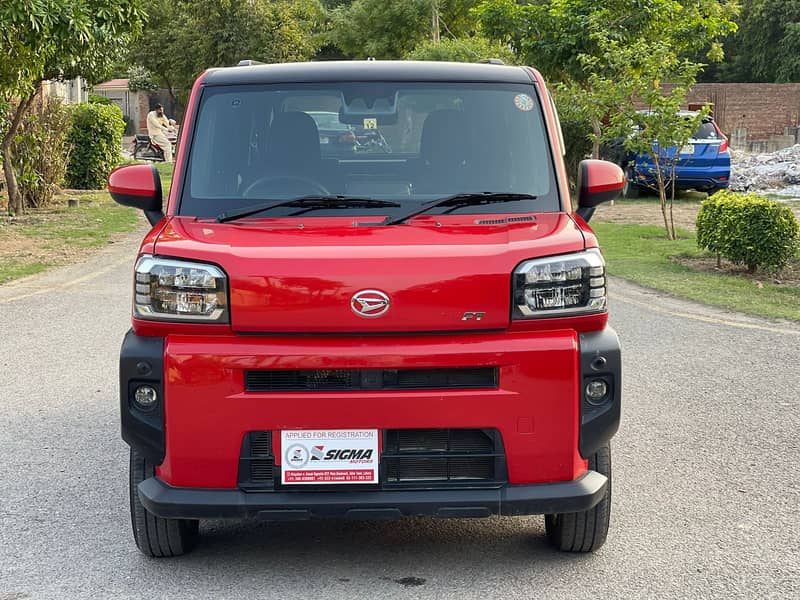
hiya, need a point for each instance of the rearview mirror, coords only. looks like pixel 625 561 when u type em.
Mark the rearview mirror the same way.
pixel 138 186
pixel 598 181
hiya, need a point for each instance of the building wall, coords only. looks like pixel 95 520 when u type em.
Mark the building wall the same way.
pixel 71 91
pixel 763 109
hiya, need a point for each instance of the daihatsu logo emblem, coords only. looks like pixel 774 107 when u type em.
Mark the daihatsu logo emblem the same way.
pixel 369 303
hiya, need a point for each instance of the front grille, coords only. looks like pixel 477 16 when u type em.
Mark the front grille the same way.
pixel 369 379
pixel 256 462
pixel 442 456
pixel 411 458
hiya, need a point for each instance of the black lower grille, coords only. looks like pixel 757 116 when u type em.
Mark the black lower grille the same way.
pixel 256 462
pixel 442 456
pixel 411 458
pixel 412 469
pixel 369 379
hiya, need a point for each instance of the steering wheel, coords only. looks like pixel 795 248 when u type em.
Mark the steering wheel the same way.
pixel 263 184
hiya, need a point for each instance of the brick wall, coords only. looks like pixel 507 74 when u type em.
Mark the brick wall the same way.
pixel 763 109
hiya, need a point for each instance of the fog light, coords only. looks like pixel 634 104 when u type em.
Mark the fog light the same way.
pixel 145 397
pixel 596 391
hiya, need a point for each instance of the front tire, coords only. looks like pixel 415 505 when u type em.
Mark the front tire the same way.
pixel 584 531
pixel 155 536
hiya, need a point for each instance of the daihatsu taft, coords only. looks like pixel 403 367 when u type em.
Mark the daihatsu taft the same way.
pixel 325 326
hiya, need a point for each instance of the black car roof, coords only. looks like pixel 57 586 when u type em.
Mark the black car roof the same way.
pixel 367 70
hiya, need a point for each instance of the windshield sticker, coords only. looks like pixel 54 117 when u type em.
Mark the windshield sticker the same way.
pixel 523 102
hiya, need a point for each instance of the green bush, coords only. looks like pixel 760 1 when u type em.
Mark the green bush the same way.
pixel 98 99
pixel 748 229
pixel 96 144
pixel 40 152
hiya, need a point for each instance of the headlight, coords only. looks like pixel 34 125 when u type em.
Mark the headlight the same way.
pixel 571 284
pixel 175 290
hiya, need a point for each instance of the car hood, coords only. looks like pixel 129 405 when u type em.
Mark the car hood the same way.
pixel 296 275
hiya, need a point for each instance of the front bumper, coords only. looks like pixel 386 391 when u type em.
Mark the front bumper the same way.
pixel 195 434
pixel 510 500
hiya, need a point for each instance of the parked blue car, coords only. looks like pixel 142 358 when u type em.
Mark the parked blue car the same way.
pixel 704 164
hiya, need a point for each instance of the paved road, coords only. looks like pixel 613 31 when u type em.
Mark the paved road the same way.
pixel 706 486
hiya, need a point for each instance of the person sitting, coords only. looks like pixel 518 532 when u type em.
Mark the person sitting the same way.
pixel 158 126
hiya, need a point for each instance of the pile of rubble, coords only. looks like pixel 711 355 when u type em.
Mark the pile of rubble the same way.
pixel 775 172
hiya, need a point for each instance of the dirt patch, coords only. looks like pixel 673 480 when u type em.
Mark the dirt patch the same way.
pixel 38 235
pixel 647 213
pixel 789 276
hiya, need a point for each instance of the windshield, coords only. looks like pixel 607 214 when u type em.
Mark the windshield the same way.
pixel 408 143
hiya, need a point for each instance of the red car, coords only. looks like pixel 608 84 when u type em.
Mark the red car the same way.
pixel 383 335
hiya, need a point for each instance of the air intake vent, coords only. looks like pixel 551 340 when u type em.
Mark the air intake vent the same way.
pixel 504 220
pixel 370 379
pixel 256 462
pixel 442 457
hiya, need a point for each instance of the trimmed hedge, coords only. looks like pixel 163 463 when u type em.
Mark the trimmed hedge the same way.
pixel 748 229
pixel 96 144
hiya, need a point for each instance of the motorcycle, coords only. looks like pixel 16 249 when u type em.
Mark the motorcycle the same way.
pixel 146 149
pixel 371 140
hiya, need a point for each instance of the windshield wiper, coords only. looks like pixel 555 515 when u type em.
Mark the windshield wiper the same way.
pixel 313 202
pixel 458 200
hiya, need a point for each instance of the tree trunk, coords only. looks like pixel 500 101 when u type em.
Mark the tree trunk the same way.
pixel 597 131
pixel 15 206
pixel 14 196
pixel 662 195
pixel 671 202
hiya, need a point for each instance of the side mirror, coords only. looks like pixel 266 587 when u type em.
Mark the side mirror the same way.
pixel 138 186
pixel 598 181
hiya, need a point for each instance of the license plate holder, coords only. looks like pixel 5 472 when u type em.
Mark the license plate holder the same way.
pixel 329 456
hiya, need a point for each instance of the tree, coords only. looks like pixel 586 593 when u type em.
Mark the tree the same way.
pixel 568 40
pixel 176 45
pixel 390 30
pixel 767 45
pixel 468 49
pixel 658 131
pixel 43 40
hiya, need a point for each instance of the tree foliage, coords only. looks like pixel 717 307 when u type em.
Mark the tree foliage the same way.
pixel 184 37
pixel 54 39
pixel 580 43
pixel 468 49
pixel 766 47
pixel 390 30
pixel 647 118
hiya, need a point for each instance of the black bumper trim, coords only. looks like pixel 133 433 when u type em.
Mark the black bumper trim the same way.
pixel 600 359
pixel 509 500
pixel 141 361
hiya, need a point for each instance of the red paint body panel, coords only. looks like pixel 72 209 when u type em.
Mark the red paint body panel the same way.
pixel 208 412
pixel 133 180
pixel 284 278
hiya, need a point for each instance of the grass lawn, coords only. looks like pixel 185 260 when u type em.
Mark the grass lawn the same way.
pixel 57 234
pixel 641 253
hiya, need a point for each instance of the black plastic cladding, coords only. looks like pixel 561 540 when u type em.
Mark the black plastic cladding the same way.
pixel 141 362
pixel 599 423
